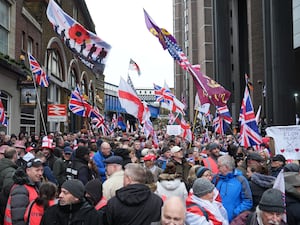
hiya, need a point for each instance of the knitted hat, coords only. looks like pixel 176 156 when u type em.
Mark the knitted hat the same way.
pixel 81 151
pixel 201 171
pixel 202 186
pixel 94 189
pixel 75 187
pixel 272 201
pixel 212 146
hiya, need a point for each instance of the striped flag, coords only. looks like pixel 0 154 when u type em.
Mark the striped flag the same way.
pixel 40 76
pixel 249 130
pixel 3 118
pixel 78 105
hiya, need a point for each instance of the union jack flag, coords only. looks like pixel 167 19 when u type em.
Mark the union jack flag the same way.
pixel 40 75
pixel 249 130
pixel 3 119
pixel 114 121
pixel 164 95
pixel 97 118
pixel 78 105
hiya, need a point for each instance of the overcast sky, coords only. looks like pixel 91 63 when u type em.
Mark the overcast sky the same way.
pixel 121 24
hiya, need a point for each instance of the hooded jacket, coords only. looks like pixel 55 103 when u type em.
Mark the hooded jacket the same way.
pixel 235 193
pixel 258 184
pixel 81 213
pixel 134 204
pixel 170 185
pixel 7 170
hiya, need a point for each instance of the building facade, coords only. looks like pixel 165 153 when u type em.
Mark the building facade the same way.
pixel 236 37
pixel 26 28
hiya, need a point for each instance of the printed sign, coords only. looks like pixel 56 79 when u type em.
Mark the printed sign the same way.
pixel 57 113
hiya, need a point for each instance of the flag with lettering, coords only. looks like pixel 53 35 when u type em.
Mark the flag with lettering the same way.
pixel 40 76
pixel 87 46
pixel 209 91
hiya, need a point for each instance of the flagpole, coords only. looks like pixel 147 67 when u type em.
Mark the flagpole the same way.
pixel 39 103
pixel 194 123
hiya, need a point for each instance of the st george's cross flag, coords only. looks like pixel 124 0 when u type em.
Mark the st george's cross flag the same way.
pixel 132 103
pixel 133 66
pixel 40 76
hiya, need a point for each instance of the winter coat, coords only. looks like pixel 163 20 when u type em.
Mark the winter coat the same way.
pixel 182 168
pixel 98 159
pixel 59 170
pixel 22 193
pixel 235 193
pixel 134 204
pixel 204 212
pixel 81 213
pixel 168 185
pixel 112 184
pixel 79 169
pixel 258 184
pixel 7 170
pixel 292 199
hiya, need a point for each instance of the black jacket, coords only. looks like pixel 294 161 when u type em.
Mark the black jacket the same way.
pixel 77 214
pixel 133 204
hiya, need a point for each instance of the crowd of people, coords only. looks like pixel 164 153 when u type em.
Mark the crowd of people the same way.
pixel 86 178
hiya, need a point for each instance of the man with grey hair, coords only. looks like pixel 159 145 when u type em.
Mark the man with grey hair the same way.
pixel 270 209
pixel 233 187
pixel 134 203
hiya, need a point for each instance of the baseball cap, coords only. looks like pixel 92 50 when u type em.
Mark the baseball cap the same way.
pixel 114 160
pixel 176 149
pixel 35 162
pixel 149 157
pixel 68 150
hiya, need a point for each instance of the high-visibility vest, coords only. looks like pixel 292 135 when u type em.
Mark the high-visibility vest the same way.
pixel 101 203
pixel 211 164
pixel 35 212
pixel 32 194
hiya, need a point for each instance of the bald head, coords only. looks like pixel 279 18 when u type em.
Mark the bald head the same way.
pixel 173 210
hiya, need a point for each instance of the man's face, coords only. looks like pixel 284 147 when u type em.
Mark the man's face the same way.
pixel 46 152
pixel 271 218
pixel 105 149
pixel 178 154
pixel 149 163
pixel 276 164
pixel 67 156
pixel 137 145
pixel 167 154
pixel 215 152
pixel 35 173
pixel 172 214
pixel 66 198
pixel 223 169
pixel 110 169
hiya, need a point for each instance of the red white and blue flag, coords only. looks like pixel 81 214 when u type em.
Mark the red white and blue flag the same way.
pixel 40 76
pixel 223 120
pixel 168 99
pixel 248 127
pixel 78 105
pixel 3 118
pixel 208 90
pixel 90 49
pixel 114 121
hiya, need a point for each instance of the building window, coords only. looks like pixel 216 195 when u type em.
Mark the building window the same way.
pixel 75 13
pixel 54 64
pixel 72 80
pixel 4 26
pixel 30 45
pixel 6 104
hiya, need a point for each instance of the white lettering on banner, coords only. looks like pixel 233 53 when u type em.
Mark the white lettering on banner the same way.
pixel 287 140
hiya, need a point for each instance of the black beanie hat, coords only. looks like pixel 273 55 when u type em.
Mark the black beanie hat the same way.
pixel 94 189
pixel 81 151
pixel 272 201
pixel 75 187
